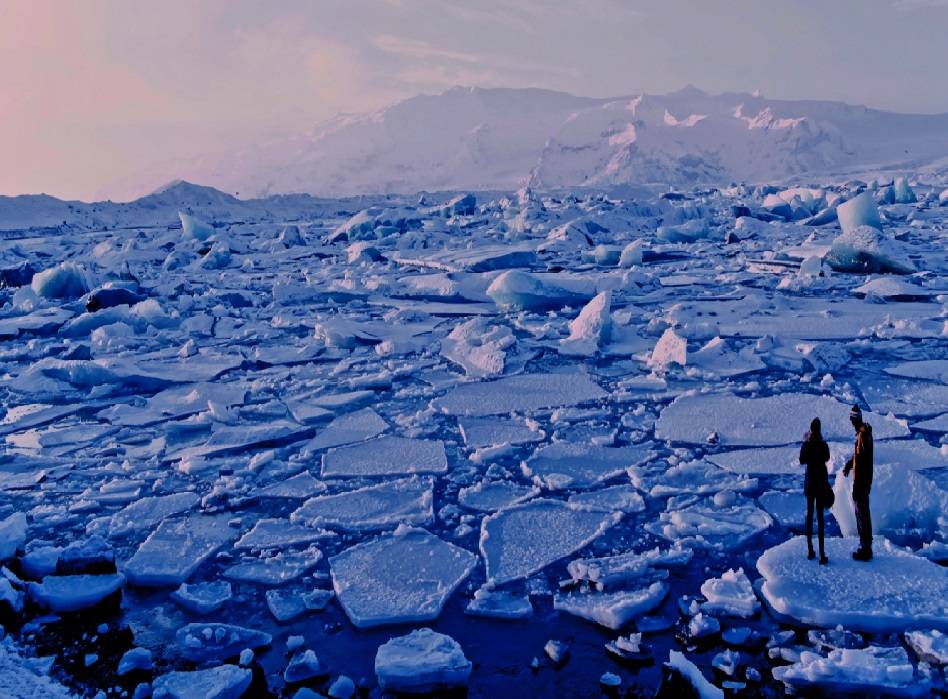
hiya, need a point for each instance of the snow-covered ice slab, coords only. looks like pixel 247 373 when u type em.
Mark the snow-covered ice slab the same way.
pixel 479 432
pixel 762 421
pixel 386 456
pixel 696 477
pixel 522 393
pixel 406 501
pixel 235 438
pixel 347 429
pixel 221 682
pixel 897 590
pixel 872 671
pixel 177 548
pixel 612 609
pixel 703 524
pixel 490 496
pixel 403 577
pixel 422 662
pixel 930 369
pixel 521 540
pixel 276 570
pixel 570 465
pixel 279 533
pixel 176 402
pixel 147 512
pixel 302 485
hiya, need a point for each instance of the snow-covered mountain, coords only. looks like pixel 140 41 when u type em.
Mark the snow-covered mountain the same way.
pixel 473 138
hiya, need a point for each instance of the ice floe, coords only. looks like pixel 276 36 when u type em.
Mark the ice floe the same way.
pixel 423 661
pixel 406 501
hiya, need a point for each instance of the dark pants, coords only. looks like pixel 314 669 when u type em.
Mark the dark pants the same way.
pixel 863 520
pixel 813 502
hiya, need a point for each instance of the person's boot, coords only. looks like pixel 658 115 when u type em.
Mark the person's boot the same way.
pixel 862 554
pixel 823 559
pixel 811 554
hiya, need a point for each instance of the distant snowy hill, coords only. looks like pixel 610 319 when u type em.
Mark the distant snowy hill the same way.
pixel 472 138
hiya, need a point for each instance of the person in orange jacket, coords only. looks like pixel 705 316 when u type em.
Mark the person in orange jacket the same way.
pixel 861 465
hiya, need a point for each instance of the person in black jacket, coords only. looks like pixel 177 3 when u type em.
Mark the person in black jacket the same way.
pixel 815 453
pixel 861 464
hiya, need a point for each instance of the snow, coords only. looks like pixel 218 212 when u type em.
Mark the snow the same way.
pixel 563 465
pixel 741 421
pixel 421 662
pixel 19 679
pixel 386 456
pixel 732 594
pixel 403 577
pixel 221 682
pixel 406 501
pixel 519 541
pixel 897 590
pixel 612 609
pixel 524 393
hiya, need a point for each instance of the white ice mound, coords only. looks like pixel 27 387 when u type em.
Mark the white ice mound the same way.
pixel 703 524
pixel 403 577
pixel 194 228
pixel 730 594
pixel 897 590
pixel 763 421
pixel 67 280
pixel 872 671
pixel 858 211
pixel 479 347
pixel 521 291
pixel 671 348
pixel 687 232
pixel 522 393
pixel 866 250
pixel 901 498
pixel 930 646
pixel 575 465
pixel 521 540
pixel 589 329
pixel 422 662
pixel 612 609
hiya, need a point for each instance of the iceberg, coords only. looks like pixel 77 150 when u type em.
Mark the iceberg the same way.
pixel 865 250
pixel 859 211
pixel 421 662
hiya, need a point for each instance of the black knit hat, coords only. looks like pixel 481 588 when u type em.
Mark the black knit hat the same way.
pixel 856 412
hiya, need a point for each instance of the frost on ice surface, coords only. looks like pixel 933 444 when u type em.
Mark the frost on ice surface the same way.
pixel 421 662
pixel 399 578
pixel 898 590
pixel 386 456
pixel 406 501
pixel 521 540
pixel 523 393
pixel 563 465
pixel 762 421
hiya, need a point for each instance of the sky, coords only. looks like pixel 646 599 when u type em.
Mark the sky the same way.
pixel 94 92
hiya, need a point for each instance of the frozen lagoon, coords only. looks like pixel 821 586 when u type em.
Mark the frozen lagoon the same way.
pixel 270 422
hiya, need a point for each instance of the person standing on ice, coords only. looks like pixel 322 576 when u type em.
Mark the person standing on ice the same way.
pixel 861 465
pixel 815 453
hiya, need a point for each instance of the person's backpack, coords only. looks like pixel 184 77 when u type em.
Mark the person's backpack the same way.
pixel 828 498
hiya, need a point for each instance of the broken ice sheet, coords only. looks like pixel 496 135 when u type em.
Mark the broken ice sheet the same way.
pixel 386 456
pixel 703 524
pixel 346 429
pixel 279 533
pixel 569 465
pixel 176 549
pixel 406 501
pixel 522 393
pixel 274 570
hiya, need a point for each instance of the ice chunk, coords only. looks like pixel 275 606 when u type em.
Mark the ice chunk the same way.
pixel 420 663
pixel 302 485
pixel 612 609
pixel 176 548
pixel 72 593
pixel 386 456
pixel 730 594
pixel 303 666
pixel 873 671
pixel 703 524
pixel 901 499
pixel 204 641
pixel 897 590
pixel 762 421
pixel 221 682
pixel 930 646
pixel 902 192
pixel 342 688
pixel 890 288
pixel 865 250
pixel 135 659
pixel 478 346
pixel 589 329
pixel 859 211
pixel 403 577
pixel 690 672
pixel 716 358
pixel 687 232
pixel 12 535
pixel 930 369
pixel 614 570
pixel 521 540
pixel 788 508
pixel 490 496
pixel 697 477
pixel 279 533
pixel 671 348
pixel 406 501
pixel 490 432
pixel 522 393
pixel 499 605
pixel 347 429
pixel 67 280
pixel 575 465
pixel 146 512
pixel 631 254
pixel 194 228
pixel 203 598
pixel 616 498
pixel 276 570
pixel 522 291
